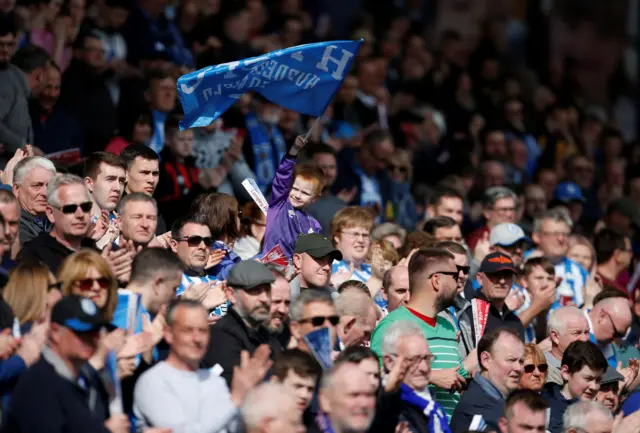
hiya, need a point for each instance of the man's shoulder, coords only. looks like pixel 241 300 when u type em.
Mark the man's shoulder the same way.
pixel 37 378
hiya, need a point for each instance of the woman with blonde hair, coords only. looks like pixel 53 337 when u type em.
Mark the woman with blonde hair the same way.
pixel 535 368
pixel 382 257
pixel 31 292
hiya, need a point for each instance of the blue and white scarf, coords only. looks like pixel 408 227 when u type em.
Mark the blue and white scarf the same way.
pixel 436 418
pixel 263 142
pixel 188 280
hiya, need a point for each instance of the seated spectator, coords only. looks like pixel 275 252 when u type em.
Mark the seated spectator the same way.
pixel 312 310
pixel 10 211
pixel 347 399
pixel 496 274
pixel 242 329
pixel 446 202
pixel 524 409
pixel 68 210
pixel 403 205
pixel 170 394
pixel 565 325
pixel 138 219
pixel 509 239
pixel 588 417
pixel 389 232
pixel 270 408
pixel 535 368
pixel 610 388
pixel 366 359
pixel 30 179
pixel 73 339
pixel 499 206
pixel 134 129
pixel 358 317
pixel 443 229
pixel 609 320
pixel 105 176
pixel 299 372
pixel 613 257
pixel 351 234
pixel 54 128
pixel 382 257
pixel 252 228
pixel 500 356
pixel 312 259
pixel 191 240
pixel 407 341
pixel 583 366
pixel 395 288
pixel 278 323
pixel 582 252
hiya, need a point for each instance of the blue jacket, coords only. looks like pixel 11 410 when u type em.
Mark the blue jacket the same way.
pixel 481 398
pixel 284 222
pixel 221 270
pixel 558 405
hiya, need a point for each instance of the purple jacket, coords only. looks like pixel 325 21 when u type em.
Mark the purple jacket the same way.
pixel 284 223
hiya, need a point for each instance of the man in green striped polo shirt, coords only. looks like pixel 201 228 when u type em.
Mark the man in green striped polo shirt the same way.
pixel 433 279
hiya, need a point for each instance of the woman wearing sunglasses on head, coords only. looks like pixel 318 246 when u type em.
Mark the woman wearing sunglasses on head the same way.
pixel 534 371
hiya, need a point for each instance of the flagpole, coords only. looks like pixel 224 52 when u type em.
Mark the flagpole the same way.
pixel 306 137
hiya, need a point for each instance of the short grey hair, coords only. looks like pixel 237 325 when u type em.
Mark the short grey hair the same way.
pixel 354 303
pixel 383 230
pixel 268 400
pixel 53 197
pixel 29 163
pixel 395 332
pixel 136 196
pixel 558 317
pixel 495 193
pixel 557 214
pixel 309 296
pixel 575 417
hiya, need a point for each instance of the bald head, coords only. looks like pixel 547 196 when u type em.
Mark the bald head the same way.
pixel 271 408
pixel 347 396
pixel 566 325
pixel 611 318
pixel 358 317
pixel 395 287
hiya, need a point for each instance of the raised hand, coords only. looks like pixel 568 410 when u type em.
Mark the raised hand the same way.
pixel 397 373
pixel 215 258
pixel 347 195
pixel 7 174
pixel 298 145
pixel 197 291
pixel 514 300
pixel 8 344
pixel 215 296
pixel 126 367
pixel 342 275
pixel 482 248
pixel 250 372
pixel 136 344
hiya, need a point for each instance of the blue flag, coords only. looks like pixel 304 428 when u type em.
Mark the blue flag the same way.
pixel 319 342
pixel 302 78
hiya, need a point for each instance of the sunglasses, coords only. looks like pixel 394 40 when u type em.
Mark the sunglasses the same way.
pixel 72 208
pixel 87 283
pixel 455 275
pixel 530 368
pixel 464 269
pixel 400 168
pixel 321 320
pixel 194 241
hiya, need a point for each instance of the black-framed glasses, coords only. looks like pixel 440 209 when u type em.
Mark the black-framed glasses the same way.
pixel 401 168
pixel 321 320
pixel 52 286
pixel 455 275
pixel 616 333
pixel 464 269
pixel 68 209
pixel 194 241
pixel 530 368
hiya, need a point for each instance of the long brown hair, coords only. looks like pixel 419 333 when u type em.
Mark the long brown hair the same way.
pixel 221 213
pixel 26 291
pixel 251 214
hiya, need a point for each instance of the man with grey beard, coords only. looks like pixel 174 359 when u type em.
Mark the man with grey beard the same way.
pixel 278 322
pixel 242 329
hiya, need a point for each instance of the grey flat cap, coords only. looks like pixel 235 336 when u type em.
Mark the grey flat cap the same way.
pixel 249 274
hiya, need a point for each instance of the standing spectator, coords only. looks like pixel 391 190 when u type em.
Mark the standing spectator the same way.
pixel 500 355
pixel 253 227
pixel 10 211
pixel 403 206
pixel 535 204
pixel 358 317
pixel 86 95
pixel 443 229
pixel 433 280
pixel 609 392
pixel 105 177
pixel 589 417
pixel 242 329
pixel 270 408
pixel 446 202
pixel 30 179
pixel 312 310
pixel 613 257
pixel 609 320
pixel 582 252
pixel 535 368
pixel 551 233
pixel 138 218
pixel 278 323
pixel 73 339
pixel 583 366
pixel 135 128
pixel 54 128
pixel 347 399
pixel 569 195
pixel 395 288
pixel 170 394
pixel 299 372
pixel 565 325
pixel 312 259
pixel 351 234
pixel 524 409
pixel 499 206
pixel 390 232
pixel 69 211
pixel 509 239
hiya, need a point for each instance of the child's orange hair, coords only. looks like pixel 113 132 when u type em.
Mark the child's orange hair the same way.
pixel 312 173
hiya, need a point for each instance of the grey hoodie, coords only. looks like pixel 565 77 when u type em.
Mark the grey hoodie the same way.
pixel 15 121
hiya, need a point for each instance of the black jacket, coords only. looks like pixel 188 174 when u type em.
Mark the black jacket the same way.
pixel 229 337
pixel 44 401
pixel 558 405
pixel 46 249
pixel 481 398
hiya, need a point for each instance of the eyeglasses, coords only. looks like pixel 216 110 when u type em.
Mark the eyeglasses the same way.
pixel 52 286
pixel 464 269
pixel 68 209
pixel 87 283
pixel 321 320
pixel 400 168
pixel 418 359
pixel 530 368
pixel 194 241
pixel 454 275
pixel 364 236
pixel 616 333
pixel 556 234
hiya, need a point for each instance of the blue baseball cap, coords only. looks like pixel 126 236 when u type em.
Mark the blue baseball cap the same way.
pixel 79 314
pixel 567 192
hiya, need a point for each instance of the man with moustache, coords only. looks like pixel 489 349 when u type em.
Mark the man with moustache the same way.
pixel 500 356
pixel 242 328
pixel 487 311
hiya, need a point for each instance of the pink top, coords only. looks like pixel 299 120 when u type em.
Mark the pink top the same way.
pixel 116 145
pixel 44 39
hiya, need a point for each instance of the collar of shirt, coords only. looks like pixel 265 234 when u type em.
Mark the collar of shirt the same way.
pixel 431 321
